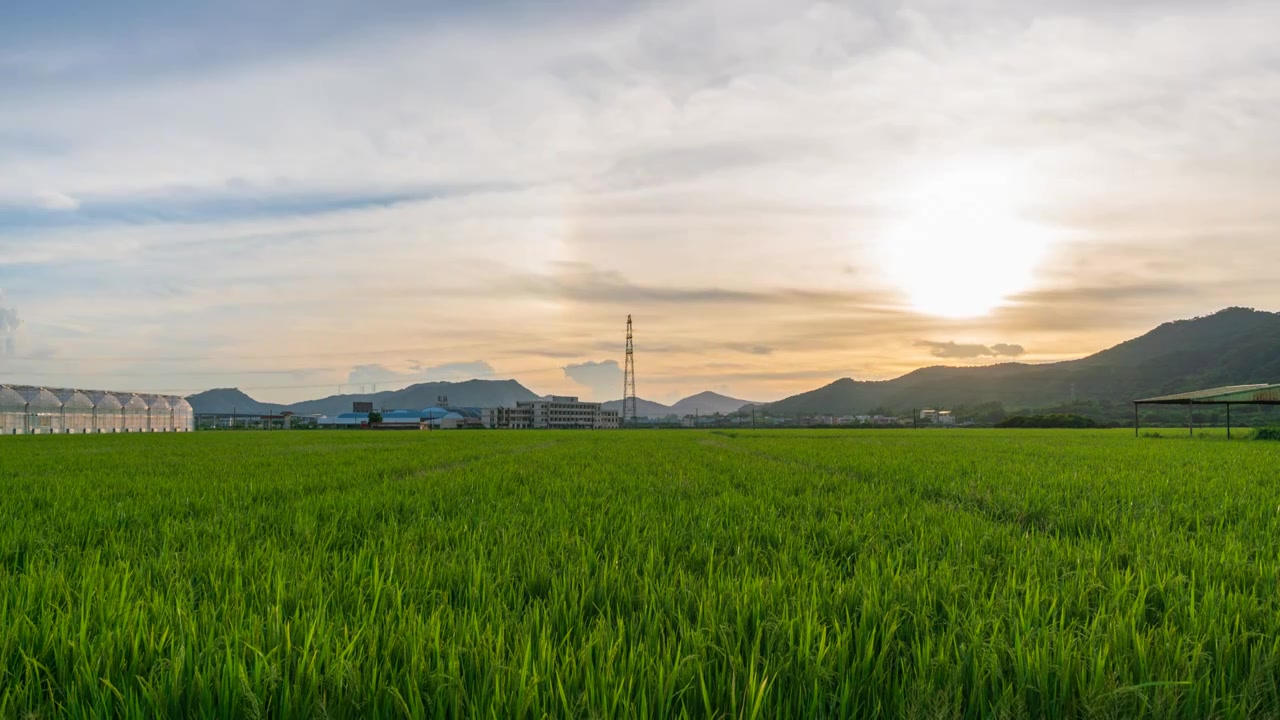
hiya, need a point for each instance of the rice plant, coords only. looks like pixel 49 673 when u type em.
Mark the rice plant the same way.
pixel 823 574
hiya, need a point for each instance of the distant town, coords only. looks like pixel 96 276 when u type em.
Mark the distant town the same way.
pixel 554 412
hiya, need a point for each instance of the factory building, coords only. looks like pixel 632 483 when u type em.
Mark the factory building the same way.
pixel 441 418
pixel 552 413
pixel 27 410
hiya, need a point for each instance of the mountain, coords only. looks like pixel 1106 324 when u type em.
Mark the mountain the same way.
pixel 709 403
pixel 1231 347
pixel 705 403
pixel 472 393
pixel 644 408
pixel 230 400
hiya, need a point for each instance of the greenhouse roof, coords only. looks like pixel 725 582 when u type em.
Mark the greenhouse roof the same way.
pixel 1263 394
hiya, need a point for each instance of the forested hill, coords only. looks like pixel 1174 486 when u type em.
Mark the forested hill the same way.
pixel 1231 347
pixel 471 393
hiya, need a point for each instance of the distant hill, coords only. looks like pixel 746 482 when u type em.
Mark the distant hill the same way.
pixel 644 408
pixel 230 400
pixel 471 393
pixel 709 403
pixel 705 403
pixel 1231 347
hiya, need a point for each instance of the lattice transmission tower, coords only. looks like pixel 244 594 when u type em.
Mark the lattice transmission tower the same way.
pixel 629 381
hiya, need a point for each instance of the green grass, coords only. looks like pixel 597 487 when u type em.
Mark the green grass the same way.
pixel 972 574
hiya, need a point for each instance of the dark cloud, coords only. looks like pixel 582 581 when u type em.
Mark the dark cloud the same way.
pixel 587 283
pixel 750 349
pixel 550 353
pixel 604 378
pixel 1095 294
pixel 676 377
pixel 1007 350
pixel 967 351
pixel 1114 304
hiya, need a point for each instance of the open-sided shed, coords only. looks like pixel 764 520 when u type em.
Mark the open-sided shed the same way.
pixel 1228 396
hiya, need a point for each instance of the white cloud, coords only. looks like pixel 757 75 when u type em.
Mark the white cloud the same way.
pixel 602 378
pixel 57 201
pixel 10 324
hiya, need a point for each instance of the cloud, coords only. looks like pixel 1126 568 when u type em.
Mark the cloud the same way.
pixel 10 323
pixel 57 201
pixel 379 374
pixel 604 378
pixel 967 351
pixel 718 167
pixel 459 371
pixel 1007 350
pixel 587 283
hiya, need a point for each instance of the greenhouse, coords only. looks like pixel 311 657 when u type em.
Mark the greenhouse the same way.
pixel 159 413
pixel 77 411
pixel 26 410
pixel 184 416
pixel 135 413
pixel 107 416
pixel 44 410
pixel 13 410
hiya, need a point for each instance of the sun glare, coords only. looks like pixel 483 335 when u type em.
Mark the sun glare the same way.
pixel 960 248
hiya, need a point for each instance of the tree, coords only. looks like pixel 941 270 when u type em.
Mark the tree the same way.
pixel 987 413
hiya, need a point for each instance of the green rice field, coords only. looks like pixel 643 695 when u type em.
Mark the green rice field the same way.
pixel 526 574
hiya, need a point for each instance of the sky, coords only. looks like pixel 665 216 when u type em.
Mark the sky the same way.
pixel 305 198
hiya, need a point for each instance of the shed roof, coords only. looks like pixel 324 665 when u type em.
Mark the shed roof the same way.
pixel 1263 394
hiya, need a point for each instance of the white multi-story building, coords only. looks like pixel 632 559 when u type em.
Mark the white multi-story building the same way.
pixel 551 413
pixel 938 417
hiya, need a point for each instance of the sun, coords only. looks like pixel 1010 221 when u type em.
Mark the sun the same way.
pixel 961 246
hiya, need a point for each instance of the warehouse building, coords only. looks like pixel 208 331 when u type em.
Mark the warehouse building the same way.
pixel 345 420
pixel 28 410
